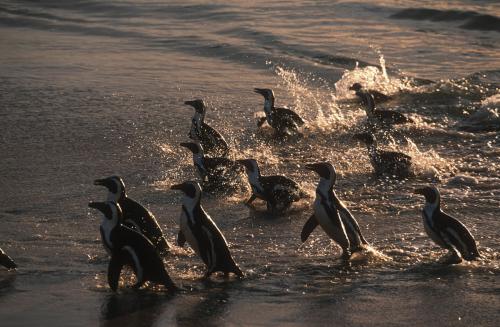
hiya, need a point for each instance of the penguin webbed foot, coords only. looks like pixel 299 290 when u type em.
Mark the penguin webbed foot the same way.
pixel 452 258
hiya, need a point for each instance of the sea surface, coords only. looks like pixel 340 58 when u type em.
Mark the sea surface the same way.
pixel 90 89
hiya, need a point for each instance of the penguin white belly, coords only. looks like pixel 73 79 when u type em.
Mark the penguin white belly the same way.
pixel 193 242
pixel 435 237
pixel 326 223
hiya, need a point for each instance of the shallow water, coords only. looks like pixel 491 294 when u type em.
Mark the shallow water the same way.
pixel 94 88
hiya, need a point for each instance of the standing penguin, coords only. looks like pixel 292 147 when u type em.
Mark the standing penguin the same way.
pixel 446 231
pixel 283 120
pixel 379 117
pixel 7 261
pixel 329 212
pixel 212 141
pixel 328 202
pixel 200 231
pixel 214 172
pixel 135 215
pixel 392 163
pixel 129 247
pixel 279 192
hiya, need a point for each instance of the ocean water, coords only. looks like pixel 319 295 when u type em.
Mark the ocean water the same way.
pixel 94 88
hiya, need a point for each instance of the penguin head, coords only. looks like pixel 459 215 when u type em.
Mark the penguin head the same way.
pixel 190 189
pixel 250 165
pixel 266 93
pixel 324 169
pixel 431 193
pixel 115 186
pixel 356 87
pixel 195 148
pixel 365 137
pixel 111 210
pixel 197 104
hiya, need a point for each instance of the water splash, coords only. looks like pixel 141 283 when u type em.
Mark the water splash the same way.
pixel 371 77
pixel 318 105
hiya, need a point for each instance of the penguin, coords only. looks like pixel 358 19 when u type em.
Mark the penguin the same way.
pixel 284 121
pixel 7 261
pixel 202 234
pixel 212 141
pixel 379 116
pixel 214 172
pixel 278 191
pixel 379 97
pixel 333 216
pixel 446 231
pixel 394 164
pixel 135 215
pixel 129 247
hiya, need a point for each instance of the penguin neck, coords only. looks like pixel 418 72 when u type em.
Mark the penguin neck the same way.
pixel 254 178
pixel 325 186
pixel 430 208
pixel 198 158
pixel 190 203
pixel 117 197
pixel 268 106
pixel 198 119
pixel 372 150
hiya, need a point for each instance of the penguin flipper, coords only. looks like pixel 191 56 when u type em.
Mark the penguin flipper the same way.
pixel 115 266
pixel 181 239
pixel 308 228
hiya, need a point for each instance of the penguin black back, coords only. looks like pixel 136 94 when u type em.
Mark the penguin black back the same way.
pixel 135 215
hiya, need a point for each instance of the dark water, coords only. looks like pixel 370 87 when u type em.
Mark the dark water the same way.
pixel 94 88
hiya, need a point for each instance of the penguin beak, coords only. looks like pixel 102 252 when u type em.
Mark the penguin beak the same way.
pixel 187 145
pixel 179 187
pixel 189 103
pixel 242 162
pixel 101 182
pixel 101 206
pixel 419 191
pixel 313 167
pixel 260 91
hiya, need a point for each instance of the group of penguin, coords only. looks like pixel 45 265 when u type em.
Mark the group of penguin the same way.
pixel 132 236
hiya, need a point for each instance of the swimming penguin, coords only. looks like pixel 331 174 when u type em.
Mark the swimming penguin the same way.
pixel 446 231
pixel 212 141
pixel 7 261
pixel 214 172
pixel 379 97
pixel 134 214
pixel 329 212
pixel 200 231
pixel 129 247
pixel 395 164
pixel 380 116
pixel 278 191
pixel 283 120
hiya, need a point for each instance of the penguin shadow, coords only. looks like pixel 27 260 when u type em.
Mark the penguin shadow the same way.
pixel 134 308
pixel 7 279
pixel 209 307
pixel 440 269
